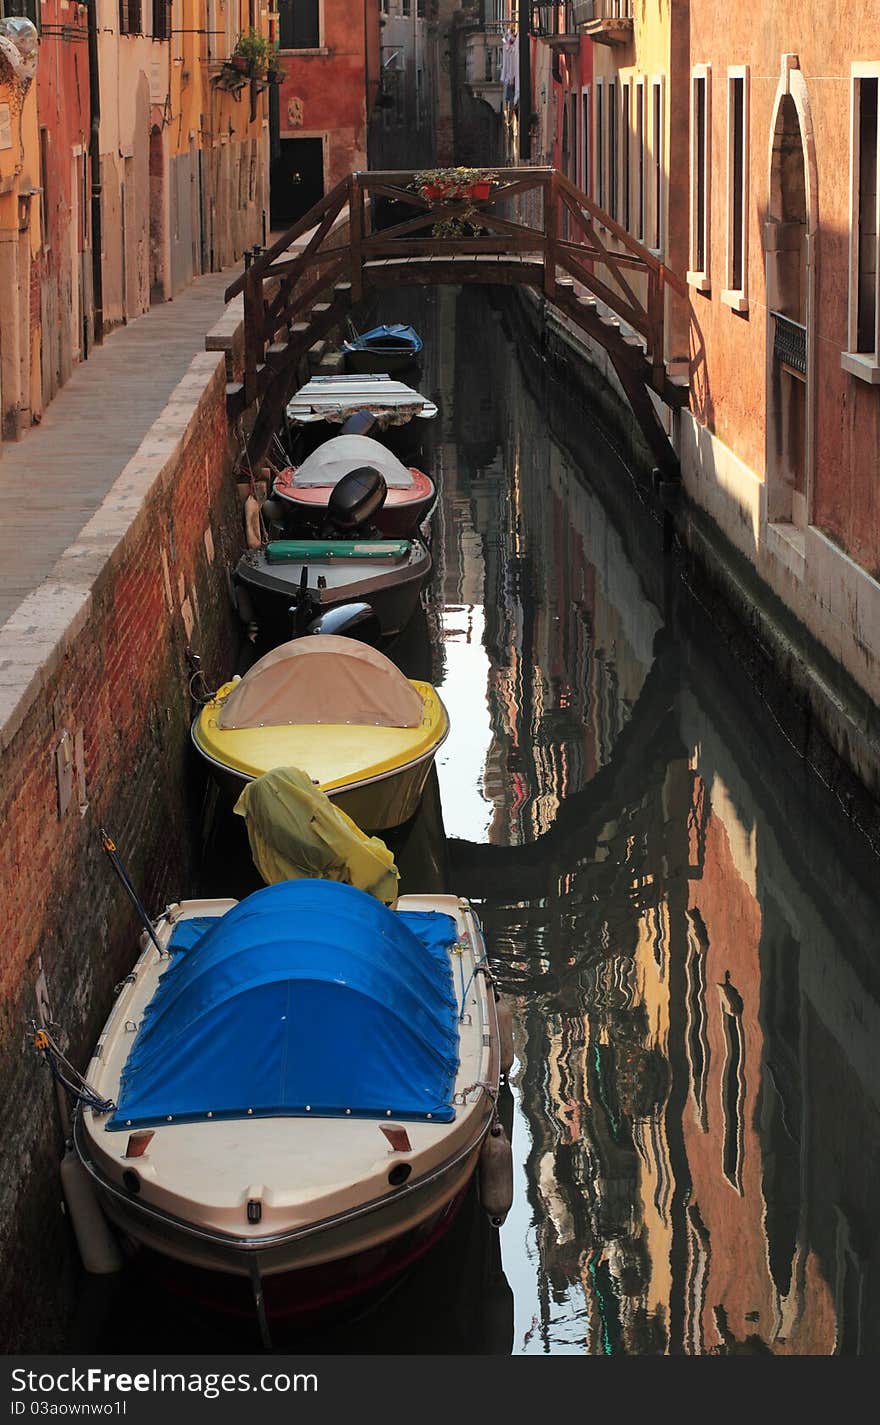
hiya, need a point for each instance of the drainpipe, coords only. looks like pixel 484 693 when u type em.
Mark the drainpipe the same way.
pixel 524 26
pixel 95 166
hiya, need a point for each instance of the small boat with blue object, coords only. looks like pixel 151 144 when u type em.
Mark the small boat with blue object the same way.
pixel 295 1090
pixel 383 349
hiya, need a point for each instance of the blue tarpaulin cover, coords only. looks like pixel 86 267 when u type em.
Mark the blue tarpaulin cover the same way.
pixel 308 994
pixel 393 332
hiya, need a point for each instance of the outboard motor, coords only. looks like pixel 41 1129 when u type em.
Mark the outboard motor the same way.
pixel 355 620
pixel 354 502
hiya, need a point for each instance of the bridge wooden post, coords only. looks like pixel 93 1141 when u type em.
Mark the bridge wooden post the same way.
pixel 356 237
pixel 551 234
pixel 253 331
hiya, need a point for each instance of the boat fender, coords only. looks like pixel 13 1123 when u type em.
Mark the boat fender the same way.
pixel 95 1238
pixel 505 1031
pixel 272 517
pixel 496 1175
pixel 252 528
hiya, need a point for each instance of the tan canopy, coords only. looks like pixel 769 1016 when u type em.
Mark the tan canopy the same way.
pixel 323 678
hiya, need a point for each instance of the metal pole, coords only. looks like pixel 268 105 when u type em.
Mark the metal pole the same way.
pixel 110 847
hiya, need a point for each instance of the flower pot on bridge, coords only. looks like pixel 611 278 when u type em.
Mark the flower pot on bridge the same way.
pixel 434 184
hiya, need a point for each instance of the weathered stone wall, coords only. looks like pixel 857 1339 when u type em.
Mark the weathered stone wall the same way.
pixel 95 709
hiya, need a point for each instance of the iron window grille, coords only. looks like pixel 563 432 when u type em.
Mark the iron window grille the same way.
pixel 790 343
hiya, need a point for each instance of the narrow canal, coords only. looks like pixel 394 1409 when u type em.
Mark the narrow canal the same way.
pixel 681 913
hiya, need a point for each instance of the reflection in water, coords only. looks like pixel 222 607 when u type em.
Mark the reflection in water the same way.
pixel 685 926
pixel 683 922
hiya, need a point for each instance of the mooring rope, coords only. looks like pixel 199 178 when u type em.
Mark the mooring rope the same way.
pixel 70 1079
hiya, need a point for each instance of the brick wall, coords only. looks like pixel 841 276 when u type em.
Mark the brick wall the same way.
pixel 94 665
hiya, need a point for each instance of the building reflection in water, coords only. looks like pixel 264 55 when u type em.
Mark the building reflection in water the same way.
pixel 685 923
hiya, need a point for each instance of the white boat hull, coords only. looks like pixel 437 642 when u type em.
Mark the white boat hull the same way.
pixel 334 1192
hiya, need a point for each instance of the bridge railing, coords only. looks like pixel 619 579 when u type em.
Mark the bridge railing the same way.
pixel 338 248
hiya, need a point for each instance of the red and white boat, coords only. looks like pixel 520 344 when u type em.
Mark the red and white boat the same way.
pixel 304 490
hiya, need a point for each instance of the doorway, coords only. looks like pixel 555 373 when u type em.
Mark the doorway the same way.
pixel 789 273
pixel 296 180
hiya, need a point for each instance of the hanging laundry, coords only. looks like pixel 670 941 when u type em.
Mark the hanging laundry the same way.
pixel 510 68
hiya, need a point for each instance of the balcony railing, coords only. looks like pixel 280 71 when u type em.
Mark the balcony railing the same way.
pixel 608 22
pixel 790 343
pixel 483 57
pixel 584 11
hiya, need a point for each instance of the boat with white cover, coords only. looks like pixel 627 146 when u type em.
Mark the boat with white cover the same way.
pixel 305 490
pixel 336 399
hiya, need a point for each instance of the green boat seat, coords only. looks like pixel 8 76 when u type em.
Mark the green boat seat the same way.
pixel 302 551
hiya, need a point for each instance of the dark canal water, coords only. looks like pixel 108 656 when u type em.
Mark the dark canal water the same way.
pixel 684 919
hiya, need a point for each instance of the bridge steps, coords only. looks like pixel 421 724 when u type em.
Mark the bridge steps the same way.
pixel 610 287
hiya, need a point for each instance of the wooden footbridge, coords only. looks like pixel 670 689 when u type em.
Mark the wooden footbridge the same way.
pixel 572 252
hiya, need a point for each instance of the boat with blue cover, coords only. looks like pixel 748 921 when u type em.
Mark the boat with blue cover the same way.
pixel 383 349
pixel 297 1086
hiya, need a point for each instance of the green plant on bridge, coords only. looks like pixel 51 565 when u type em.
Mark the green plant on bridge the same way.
pixel 442 185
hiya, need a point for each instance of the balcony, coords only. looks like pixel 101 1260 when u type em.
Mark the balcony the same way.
pixel 790 345
pixel 554 24
pixel 607 22
pixel 483 64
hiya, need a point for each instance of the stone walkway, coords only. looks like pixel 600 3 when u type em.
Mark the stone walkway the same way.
pixel 54 479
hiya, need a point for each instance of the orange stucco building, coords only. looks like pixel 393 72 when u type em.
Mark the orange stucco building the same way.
pixel 745 156
pixel 329 50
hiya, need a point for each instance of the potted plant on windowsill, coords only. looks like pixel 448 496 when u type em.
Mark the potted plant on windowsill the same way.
pixel 253 54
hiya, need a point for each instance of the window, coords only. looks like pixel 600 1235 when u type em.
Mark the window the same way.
pixel 732 1083
pixel 640 160
pixel 866 230
pixel 45 170
pixel 698 275
pixel 600 143
pixel 584 176
pixel 657 137
pixel 299 24
pixel 735 294
pixel 625 120
pixel 130 22
pixel 161 19
pixel 863 357
pixel 697 1033
pixel 27 9
pixel 613 156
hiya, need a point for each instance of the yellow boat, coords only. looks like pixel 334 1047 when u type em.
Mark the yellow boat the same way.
pixel 340 710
